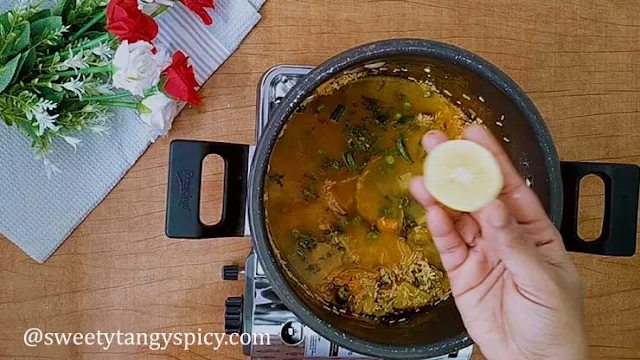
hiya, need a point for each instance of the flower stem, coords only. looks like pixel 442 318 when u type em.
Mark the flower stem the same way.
pixel 88 45
pixel 121 104
pixel 90 70
pixel 86 27
pixel 100 98
pixel 106 98
pixel 151 91
pixel 159 10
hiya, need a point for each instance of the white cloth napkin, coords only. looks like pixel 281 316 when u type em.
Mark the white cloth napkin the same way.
pixel 37 213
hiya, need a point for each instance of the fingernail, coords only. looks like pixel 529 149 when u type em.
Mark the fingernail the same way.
pixel 498 217
pixel 431 132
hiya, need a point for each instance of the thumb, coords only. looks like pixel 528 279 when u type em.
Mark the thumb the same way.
pixel 502 235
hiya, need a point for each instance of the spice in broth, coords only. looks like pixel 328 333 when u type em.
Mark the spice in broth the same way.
pixel 338 206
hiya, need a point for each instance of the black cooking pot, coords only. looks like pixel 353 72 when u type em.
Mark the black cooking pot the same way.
pixel 483 91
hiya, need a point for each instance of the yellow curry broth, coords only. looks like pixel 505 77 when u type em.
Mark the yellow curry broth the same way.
pixel 337 200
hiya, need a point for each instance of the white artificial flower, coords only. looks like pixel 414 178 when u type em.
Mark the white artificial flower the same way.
pixel 73 141
pixel 103 51
pixel 41 106
pixel 163 58
pixel 98 128
pixel 98 122
pixel 76 86
pixel 89 108
pixel 158 112
pixel 136 68
pixel 23 6
pixel 40 113
pixel 45 121
pixel 76 62
pixel 49 167
pixel 104 89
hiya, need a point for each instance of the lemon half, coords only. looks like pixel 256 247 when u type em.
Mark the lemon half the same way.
pixel 462 175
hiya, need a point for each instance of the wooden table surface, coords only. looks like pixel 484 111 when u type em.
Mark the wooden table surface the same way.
pixel 578 60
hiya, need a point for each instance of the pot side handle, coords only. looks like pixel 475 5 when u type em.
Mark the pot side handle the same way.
pixel 621 186
pixel 183 195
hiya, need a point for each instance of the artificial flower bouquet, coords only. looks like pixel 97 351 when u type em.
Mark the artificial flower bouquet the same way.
pixel 63 69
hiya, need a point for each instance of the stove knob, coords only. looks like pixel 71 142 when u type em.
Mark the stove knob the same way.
pixel 230 272
pixel 233 315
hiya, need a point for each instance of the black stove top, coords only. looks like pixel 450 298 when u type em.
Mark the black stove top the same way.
pixel 259 310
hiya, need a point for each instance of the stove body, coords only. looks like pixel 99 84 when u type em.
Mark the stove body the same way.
pixel 260 310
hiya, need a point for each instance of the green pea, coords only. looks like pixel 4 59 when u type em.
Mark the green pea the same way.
pixel 390 159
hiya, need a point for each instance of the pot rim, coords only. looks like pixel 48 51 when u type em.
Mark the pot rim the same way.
pixel 346 60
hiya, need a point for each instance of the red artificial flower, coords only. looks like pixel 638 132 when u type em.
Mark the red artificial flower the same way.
pixel 199 7
pixel 127 22
pixel 180 81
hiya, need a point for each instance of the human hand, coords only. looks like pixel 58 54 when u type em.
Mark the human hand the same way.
pixel 513 282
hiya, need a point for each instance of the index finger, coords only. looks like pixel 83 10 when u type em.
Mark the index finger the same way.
pixel 452 248
pixel 520 199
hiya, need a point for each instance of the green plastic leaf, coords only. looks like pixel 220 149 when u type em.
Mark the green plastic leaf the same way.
pixel 27 60
pixel 50 94
pixel 29 63
pixel 71 17
pixel 64 8
pixel 5 28
pixel 22 41
pixel 7 71
pixel 4 21
pixel 59 9
pixel 40 15
pixel 28 129
pixel 47 25
pixel 93 34
pixel 8 121
pixel 23 58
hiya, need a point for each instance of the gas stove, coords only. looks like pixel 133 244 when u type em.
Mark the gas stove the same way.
pixel 260 310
